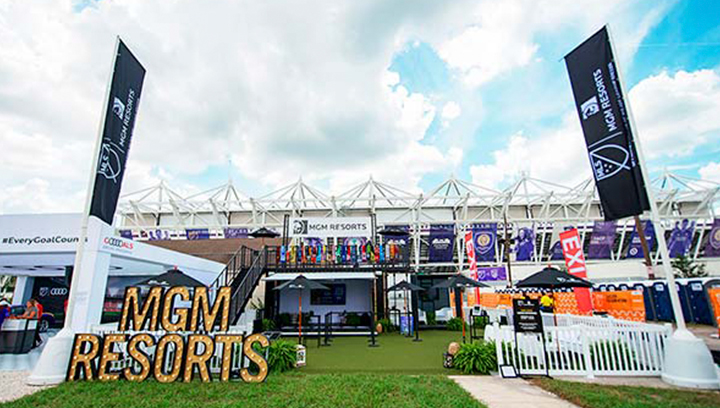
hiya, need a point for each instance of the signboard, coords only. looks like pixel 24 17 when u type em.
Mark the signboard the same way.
pixel 319 227
pixel 635 250
pixel 492 273
pixel 194 234
pixel 575 262
pixel 712 248
pixel 122 106
pixel 602 240
pixel 602 109
pixel 526 316
pixel 231 232
pixel 441 245
pixel 485 237
pixel 681 238
pixel 525 247
pixel 92 354
pixel 470 252
pixel 39 233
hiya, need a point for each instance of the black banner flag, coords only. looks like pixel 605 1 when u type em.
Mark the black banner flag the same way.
pixel 122 105
pixel 604 118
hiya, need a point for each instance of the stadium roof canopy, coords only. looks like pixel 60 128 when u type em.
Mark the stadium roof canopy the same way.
pixel 452 201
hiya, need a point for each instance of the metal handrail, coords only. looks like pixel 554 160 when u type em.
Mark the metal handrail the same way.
pixel 247 283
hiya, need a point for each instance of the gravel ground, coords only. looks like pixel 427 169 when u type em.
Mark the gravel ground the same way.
pixel 13 385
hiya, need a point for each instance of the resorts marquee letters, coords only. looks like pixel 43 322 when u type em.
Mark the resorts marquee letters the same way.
pixel 176 356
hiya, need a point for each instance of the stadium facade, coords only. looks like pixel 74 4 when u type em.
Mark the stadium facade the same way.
pixel 540 207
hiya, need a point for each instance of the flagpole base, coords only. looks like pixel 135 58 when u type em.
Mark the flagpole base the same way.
pixel 51 368
pixel 688 362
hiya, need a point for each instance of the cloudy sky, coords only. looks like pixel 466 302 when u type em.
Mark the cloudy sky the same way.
pixel 407 91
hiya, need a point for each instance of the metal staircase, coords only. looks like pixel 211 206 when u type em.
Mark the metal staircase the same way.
pixel 242 274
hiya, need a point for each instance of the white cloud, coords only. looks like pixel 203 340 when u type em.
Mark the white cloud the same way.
pixel 557 155
pixel 450 111
pixel 284 89
pixel 710 172
pixel 677 113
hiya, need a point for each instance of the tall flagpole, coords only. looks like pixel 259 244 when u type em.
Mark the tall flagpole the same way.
pixel 51 367
pixel 687 359
pixel 654 213
pixel 88 198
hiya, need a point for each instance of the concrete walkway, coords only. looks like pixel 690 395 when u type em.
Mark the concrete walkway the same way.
pixel 14 387
pixel 496 392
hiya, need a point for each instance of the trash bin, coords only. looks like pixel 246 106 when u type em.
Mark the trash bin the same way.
pixel 684 302
pixel 661 299
pixel 301 356
pixel 699 302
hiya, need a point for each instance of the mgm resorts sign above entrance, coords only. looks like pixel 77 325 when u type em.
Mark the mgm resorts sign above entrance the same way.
pixel 321 227
pixel 184 348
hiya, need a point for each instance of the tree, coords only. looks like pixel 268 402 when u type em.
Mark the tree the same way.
pixel 687 268
pixel 6 284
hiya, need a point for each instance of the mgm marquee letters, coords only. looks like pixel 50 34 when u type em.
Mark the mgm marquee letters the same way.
pixel 176 356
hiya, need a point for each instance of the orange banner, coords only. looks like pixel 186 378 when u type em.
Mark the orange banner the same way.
pixel 714 295
pixel 626 304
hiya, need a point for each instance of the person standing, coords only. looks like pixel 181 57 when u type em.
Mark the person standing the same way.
pixel 547 303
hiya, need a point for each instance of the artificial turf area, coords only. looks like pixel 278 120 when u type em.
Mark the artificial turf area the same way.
pixel 279 391
pixel 395 354
pixel 607 396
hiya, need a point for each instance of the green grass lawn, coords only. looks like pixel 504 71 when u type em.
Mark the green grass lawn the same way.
pixel 279 391
pixel 606 396
pixel 396 354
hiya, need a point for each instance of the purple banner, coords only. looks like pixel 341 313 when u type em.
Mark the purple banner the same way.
pixel 485 236
pixel 492 273
pixel 635 249
pixel 712 248
pixel 602 240
pixel 127 234
pixel 442 243
pixel 525 247
pixel 681 238
pixel 231 232
pixel 194 234
pixel 158 235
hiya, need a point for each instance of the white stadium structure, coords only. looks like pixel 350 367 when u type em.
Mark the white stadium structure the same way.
pixel 160 213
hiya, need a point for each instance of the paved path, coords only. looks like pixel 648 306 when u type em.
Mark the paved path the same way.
pixel 496 392
pixel 13 385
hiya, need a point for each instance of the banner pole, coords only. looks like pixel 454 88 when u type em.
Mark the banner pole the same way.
pixel 654 213
pixel 88 198
pixel 643 243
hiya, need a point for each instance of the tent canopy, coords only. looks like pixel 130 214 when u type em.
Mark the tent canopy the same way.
pixel 459 281
pixel 553 278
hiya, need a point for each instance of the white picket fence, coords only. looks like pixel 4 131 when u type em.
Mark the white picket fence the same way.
pixel 586 346
pixel 238 360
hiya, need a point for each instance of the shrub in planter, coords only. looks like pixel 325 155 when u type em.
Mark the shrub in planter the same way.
pixel 455 324
pixel 352 319
pixel 478 357
pixel 431 318
pixel 281 356
pixel 268 325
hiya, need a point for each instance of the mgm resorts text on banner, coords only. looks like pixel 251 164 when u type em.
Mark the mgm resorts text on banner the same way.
pixel 122 105
pixel 318 227
pixel 604 118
